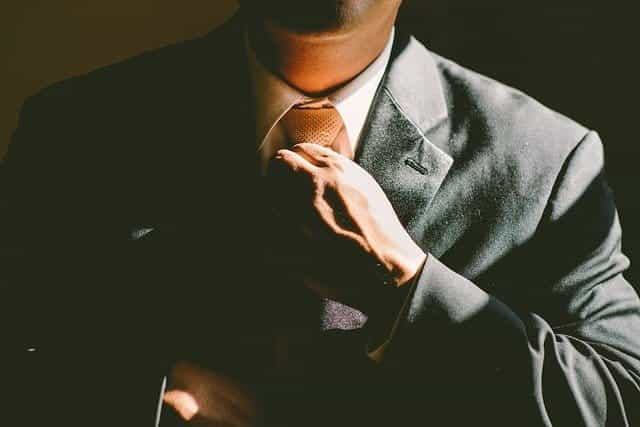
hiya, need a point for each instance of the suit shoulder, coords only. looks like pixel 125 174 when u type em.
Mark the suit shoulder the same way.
pixel 128 78
pixel 163 72
pixel 510 139
pixel 123 102
pixel 509 117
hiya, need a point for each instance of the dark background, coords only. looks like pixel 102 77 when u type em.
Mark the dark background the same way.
pixel 578 57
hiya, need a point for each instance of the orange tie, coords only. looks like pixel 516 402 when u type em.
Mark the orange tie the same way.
pixel 317 122
pixel 320 123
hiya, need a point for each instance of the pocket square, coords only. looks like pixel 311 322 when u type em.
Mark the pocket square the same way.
pixel 138 233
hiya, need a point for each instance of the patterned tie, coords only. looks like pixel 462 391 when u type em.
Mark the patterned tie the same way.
pixel 319 122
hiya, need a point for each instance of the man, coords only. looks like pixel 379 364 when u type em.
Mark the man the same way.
pixel 306 218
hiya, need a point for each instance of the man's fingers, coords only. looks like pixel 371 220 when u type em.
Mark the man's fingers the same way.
pixel 319 155
pixel 310 155
pixel 214 399
pixel 295 161
pixel 182 402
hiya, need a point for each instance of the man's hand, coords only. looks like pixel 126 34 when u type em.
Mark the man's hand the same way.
pixel 204 398
pixel 349 222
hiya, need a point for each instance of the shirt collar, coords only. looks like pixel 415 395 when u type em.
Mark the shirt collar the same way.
pixel 273 97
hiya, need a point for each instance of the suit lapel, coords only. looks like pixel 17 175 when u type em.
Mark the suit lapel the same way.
pixel 394 150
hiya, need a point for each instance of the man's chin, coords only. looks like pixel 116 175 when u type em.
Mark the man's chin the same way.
pixel 307 17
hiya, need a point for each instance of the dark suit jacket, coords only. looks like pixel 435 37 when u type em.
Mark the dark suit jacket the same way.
pixel 131 204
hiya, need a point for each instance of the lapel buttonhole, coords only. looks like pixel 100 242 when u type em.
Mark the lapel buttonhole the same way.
pixel 415 165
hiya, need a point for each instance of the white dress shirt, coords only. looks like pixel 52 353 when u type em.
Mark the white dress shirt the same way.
pixel 273 97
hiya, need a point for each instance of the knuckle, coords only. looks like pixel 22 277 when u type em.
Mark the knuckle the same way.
pixel 318 202
pixel 337 164
pixel 319 182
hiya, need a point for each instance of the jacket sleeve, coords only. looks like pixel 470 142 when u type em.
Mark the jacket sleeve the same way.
pixel 582 371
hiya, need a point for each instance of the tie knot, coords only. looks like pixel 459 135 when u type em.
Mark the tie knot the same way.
pixel 315 122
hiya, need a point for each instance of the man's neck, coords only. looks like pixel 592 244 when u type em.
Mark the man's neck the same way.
pixel 316 64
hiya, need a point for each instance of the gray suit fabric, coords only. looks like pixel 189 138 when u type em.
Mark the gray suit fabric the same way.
pixel 521 315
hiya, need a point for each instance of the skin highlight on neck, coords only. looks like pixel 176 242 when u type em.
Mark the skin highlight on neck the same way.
pixel 317 63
